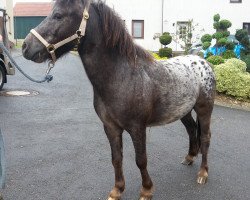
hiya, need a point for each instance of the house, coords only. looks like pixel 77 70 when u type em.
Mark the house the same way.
pixel 146 20
pixel 8 6
pixel 28 15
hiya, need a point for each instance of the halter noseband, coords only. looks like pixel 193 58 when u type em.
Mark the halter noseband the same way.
pixel 78 35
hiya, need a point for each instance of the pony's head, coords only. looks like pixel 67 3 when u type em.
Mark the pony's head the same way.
pixel 63 22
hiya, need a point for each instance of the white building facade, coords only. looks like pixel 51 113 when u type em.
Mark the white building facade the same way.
pixel 147 19
pixel 8 6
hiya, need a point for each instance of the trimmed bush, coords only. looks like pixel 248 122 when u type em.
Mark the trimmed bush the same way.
pixel 246 59
pixel 165 52
pixel 228 54
pixel 218 35
pixel 215 60
pixel 165 39
pixel 206 38
pixel 232 79
pixel 224 24
pixel 217 18
pixel 206 45
pixel 230 45
pixel 222 41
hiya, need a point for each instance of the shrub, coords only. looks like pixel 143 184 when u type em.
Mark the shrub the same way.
pixel 165 52
pixel 218 35
pixel 209 54
pixel 230 45
pixel 228 54
pixel 206 45
pixel 217 18
pixel 224 24
pixel 246 59
pixel 165 39
pixel 206 38
pixel 222 41
pixel 157 57
pixel 238 64
pixel 215 60
pixel 232 79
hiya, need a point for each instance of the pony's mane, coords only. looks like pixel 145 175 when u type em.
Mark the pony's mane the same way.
pixel 116 35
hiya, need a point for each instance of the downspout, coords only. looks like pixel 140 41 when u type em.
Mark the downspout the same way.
pixel 162 15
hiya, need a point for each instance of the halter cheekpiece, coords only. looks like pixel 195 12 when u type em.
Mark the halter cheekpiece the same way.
pixel 78 35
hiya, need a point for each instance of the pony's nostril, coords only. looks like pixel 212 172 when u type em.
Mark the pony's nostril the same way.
pixel 24 46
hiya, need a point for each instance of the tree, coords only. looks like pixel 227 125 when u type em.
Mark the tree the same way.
pixel 221 34
pixel 165 39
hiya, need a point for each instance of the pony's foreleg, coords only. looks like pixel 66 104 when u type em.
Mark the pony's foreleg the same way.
pixel 138 136
pixel 191 127
pixel 114 135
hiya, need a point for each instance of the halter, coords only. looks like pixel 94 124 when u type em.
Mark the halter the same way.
pixel 78 35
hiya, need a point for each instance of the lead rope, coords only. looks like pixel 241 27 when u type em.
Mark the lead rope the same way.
pixel 2 163
pixel 47 77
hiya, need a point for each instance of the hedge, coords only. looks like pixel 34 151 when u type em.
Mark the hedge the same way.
pixel 232 78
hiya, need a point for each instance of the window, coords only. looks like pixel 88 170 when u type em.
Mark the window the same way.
pixel 138 29
pixel 235 1
pixel 247 27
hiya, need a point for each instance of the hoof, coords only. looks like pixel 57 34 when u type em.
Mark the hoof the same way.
pixel 202 177
pixel 145 198
pixel 188 160
pixel 202 180
pixel 115 194
pixel 111 198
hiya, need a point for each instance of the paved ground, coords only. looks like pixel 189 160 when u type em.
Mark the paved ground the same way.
pixel 56 148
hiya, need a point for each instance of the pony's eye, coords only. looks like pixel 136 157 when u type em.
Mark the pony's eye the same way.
pixel 57 16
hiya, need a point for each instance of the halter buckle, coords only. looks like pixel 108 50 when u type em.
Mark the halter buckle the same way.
pixel 51 48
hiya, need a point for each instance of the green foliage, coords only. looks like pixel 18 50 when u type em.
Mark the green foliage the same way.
pixel 206 38
pixel 230 45
pixel 226 33
pixel 225 24
pixel 217 18
pixel 218 35
pixel 232 79
pixel 215 60
pixel 246 58
pixel 165 39
pixel 165 52
pixel 242 36
pixel 216 25
pixel 222 42
pixel 157 57
pixel 209 54
pixel 228 54
pixel 166 33
pixel 206 45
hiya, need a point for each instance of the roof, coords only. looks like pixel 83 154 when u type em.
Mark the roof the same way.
pixel 25 9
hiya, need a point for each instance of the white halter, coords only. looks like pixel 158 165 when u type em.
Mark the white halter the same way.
pixel 78 35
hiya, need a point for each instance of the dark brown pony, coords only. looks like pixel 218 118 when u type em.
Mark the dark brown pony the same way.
pixel 131 90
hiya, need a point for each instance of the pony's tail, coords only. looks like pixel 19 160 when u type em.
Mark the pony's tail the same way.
pixel 198 134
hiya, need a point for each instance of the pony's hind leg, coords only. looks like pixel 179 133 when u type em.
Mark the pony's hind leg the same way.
pixel 191 128
pixel 204 112
pixel 138 136
pixel 114 135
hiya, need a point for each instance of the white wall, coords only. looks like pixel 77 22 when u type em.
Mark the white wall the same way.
pixel 201 11
pixel 149 11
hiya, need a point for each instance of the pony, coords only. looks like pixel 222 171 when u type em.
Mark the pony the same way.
pixel 132 91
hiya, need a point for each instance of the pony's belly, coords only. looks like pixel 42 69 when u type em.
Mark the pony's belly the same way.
pixel 172 113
